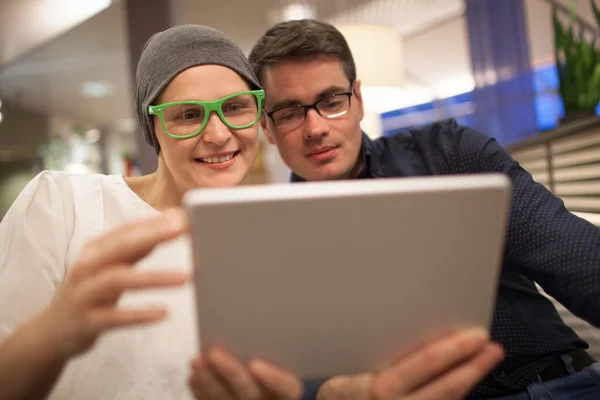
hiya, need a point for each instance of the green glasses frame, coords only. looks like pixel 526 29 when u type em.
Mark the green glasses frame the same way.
pixel 209 107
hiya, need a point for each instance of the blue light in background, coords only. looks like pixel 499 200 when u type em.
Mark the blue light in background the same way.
pixel 548 106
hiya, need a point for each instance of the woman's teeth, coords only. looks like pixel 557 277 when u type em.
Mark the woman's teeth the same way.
pixel 212 160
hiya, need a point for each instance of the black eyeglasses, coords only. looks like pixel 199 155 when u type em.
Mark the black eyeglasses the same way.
pixel 291 117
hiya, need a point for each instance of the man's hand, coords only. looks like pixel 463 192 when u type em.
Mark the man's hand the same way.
pixel 447 368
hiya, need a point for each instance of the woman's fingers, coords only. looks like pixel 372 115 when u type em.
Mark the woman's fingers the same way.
pixel 458 382
pixel 129 243
pixel 85 305
pixel 280 383
pixel 426 364
pixel 235 375
pixel 99 320
pixel 106 286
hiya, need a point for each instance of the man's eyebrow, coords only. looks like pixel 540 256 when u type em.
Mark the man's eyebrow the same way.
pixel 285 103
pixel 331 91
pixel 325 93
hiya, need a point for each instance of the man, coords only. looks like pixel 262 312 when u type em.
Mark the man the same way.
pixel 313 109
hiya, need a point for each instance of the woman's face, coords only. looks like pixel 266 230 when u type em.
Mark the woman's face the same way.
pixel 218 156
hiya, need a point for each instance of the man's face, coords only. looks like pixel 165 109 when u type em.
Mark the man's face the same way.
pixel 319 148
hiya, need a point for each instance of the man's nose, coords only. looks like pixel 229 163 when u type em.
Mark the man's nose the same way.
pixel 315 126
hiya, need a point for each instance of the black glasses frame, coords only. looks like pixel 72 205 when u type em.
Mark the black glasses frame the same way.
pixel 307 107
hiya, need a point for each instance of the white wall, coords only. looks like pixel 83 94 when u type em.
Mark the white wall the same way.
pixel 440 57
pixel 26 24
pixel 225 15
pixel 540 30
pixel 277 171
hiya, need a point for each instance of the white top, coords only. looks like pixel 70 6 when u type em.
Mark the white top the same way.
pixel 40 237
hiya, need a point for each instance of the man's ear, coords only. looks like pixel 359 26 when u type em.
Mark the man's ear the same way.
pixel 264 124
pixel 359 100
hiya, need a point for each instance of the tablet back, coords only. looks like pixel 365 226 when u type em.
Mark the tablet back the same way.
pixel 331 278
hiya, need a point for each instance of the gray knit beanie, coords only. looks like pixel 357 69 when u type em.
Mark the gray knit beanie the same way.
pixel 174 50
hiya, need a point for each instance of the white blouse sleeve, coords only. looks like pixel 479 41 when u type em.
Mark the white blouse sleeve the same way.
pixel 33 245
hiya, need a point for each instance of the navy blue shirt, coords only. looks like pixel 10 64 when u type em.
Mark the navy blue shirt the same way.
pixel 545 244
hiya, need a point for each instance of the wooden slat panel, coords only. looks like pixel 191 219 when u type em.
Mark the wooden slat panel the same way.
pixel 575 142
pixel 536 165
pixel 533 153
pixel 541 177
pixel 591 217
pixel 577 173
pixel 577 188
pixel 588 204
pixel 576 158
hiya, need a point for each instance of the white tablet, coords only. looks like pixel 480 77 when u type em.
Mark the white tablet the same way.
pixel 331 278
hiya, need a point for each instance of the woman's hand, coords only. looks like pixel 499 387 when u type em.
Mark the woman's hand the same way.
pixel 34 355
pixel 220 376
pixel 86 304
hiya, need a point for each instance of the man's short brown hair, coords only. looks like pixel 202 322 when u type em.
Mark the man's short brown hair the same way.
pixel 301 38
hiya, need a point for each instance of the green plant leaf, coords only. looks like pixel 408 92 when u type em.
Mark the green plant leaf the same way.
pixel 593 88
pixel 585 56
pixel 570 40
pixel 577 61
pixel 596 12
pixel 559 33
pixel 594 81
pixel 573 11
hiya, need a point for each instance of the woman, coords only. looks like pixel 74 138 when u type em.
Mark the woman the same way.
pixel 77 321
pixel 59 295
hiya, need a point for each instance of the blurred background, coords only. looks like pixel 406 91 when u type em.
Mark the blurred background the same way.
pixel 67 67
pixel 526 72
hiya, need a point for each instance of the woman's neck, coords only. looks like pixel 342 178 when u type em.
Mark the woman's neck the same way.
pixel 158 189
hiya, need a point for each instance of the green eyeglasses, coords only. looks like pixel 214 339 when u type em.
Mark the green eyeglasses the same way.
pixel 186 119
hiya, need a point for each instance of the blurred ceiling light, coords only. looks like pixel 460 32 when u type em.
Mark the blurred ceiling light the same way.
pixel 97 89
pixel 36 22
pixel 76 168
pixel 289 12
pixel 1 117
pixel 126 125
pixel 78 6
pixel 383 99
pixel 378 54
pixel 60 15
pixel 454 87
pixel 298 11
pixel 92 136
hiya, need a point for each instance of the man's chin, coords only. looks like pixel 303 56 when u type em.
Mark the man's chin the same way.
pixel 330 171
pixel 326 176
